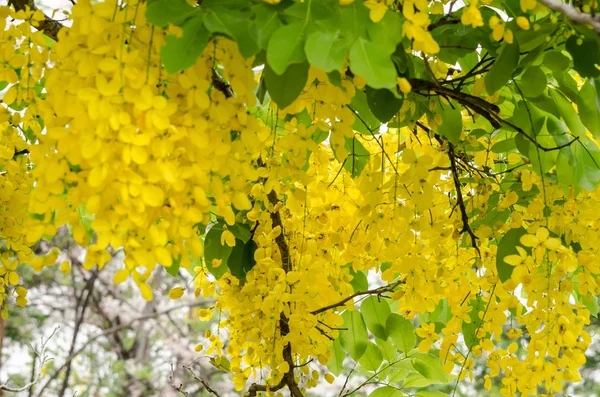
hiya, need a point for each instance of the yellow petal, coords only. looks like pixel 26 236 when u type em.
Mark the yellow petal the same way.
pixel 176 293
pixel 529 240
pixel 513 260
pixel 121 276
pixel 552 243
pixel 153 196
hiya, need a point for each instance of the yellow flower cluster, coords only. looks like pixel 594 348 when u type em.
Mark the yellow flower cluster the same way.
pixel 145 153
pixel 154 158
pixel 23 54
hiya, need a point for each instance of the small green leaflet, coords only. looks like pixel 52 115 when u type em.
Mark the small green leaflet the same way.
pixel 286 47
pixel 533 82
pixel 430 367
pixel 179 53
pixel 568 113
pixel 591 304
pixel 325 50
pixel 266 22
pixel 214 250
pixel 358 157
pixel 585 56
pixel 373 63
pixel 401 331
pixel 285 88
pixel 166 12
pixel 372 358
pixel 336 362
pixel 383 103
pixel 451 127
pixel 386 391
pixel 354 338
pixel 507 246
pixel 241 260
pixel 375 311
pixel 503 69
pixel 588 104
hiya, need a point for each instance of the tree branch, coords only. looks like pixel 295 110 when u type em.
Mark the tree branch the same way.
pixel 49 26
pixel 42 358
pixel 109 331
pixel 582 18
pixel 460 200
pixel 375 291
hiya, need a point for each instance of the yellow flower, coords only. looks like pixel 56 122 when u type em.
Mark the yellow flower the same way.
pixel 176 293
pixel 404 85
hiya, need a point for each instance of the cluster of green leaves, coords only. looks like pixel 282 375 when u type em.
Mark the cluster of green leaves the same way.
pixel 383 346
pixel 238 259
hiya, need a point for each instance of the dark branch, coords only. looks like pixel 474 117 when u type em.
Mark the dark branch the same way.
pixel 460 201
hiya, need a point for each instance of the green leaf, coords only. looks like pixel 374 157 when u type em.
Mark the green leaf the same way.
pixel 241 260
pixel 585 56
pixel 286 87
pixel 432 393
pixel 588 104
pixel 556 61
pixel 336 362
pixel 241 231
pixel 568 114
pixel 373 63
pixel 214 250
pixel 355 19
pixel 267 21
pixel 430 367
pixel 416 380
pixel 325 50
pixel 504 146
pixel 365 121
pixel 358 156
pixel 503 69
pixel 359 280
pixel 286 47
pixel 533 82
pixel 354 338
pixel 166 12
pixel 234 25
pixel 383 103
pixel 375 311
pixel 179 53
pixel 386 391
pixel 451 127
pixel 3 85
pixel 173 270
pixel 591 304
pixel 372 358
pixel 507 246
pixel 587 166
pixel 402 332
pixel 387 33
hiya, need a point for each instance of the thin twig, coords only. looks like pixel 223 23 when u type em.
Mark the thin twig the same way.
pixel 42 359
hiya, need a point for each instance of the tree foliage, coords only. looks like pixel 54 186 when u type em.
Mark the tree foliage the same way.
pixel 280 151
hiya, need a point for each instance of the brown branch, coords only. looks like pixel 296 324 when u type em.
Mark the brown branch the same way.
pixel 460 201
pixel 571 13
pixel 375 291
pixel 49 26
pixel 480 106
pixel 202 381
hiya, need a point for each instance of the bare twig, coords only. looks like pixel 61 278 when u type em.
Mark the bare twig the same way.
pixel 204 382
pixel 109 331
pixel 42 359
